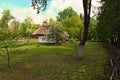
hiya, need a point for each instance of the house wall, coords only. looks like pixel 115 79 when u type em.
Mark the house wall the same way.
pixel 43 39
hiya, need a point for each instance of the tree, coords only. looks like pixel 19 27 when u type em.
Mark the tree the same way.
pixel 7 37
pixel 14 25
pixel 87 10
pixel 51 21
pixel 73 26
pixel 26 27
pixel 6 17
pixel 108 26
pixel 57 33
pixel 23 29
pixel 109 31
pixel 39 4
pixel 92 33
pixel 28 23
pixel 34 27
pixel 7 41
pixel 66 13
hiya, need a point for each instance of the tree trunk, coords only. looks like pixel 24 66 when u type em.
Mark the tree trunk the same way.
pixel 57 41
pixel 112 41
pixel 80 51
pixel 8 57
pixel 87 9
pixel 118 42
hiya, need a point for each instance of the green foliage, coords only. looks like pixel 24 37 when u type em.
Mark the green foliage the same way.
pixel 39 4
pixel 72 43
pixel 73 26
pixel 14 25
pixel 23 29
pixel 109 26
pixel 6 17
pixel 27 27
pixel 57 33
pixel 92 33
pixel 66 13
pixel 6 34
pixel 35 26
pixel 109 29
pixel 7 40
pixel 51 22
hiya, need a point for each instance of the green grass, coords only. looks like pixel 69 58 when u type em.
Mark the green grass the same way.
pixel 45 62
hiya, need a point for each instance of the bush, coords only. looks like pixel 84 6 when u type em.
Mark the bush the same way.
pixel 72 43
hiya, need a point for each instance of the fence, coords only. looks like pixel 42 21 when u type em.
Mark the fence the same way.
pixel 114 62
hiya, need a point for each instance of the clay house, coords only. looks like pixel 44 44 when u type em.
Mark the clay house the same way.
pixel 42 33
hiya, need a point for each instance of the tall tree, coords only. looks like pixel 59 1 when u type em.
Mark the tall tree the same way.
pixel 66 13
pixel 73 26
pixel 87 10
pixel 51 21
pixel 7 37
pixel 109 22
pixel 7 41
pixel 26 27
pixel 14 25
pixel 109 31
pixel 39 4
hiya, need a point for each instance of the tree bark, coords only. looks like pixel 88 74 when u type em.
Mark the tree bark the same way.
pixel 118 42
pixel 87 9
pixel 80 51
pixel 8 57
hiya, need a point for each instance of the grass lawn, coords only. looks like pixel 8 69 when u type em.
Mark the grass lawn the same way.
pixel 45 62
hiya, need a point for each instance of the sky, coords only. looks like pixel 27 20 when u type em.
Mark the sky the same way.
pixel 22 9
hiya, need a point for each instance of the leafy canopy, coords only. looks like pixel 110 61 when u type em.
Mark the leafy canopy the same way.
pixel 66 13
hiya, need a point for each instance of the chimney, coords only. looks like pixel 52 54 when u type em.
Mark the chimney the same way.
pixel 44 23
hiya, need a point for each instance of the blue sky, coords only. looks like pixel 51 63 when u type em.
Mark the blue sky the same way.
pixel 11 4
pixel 21 9
pixel 7 4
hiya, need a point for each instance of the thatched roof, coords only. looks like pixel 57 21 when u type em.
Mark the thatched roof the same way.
pixel 42 30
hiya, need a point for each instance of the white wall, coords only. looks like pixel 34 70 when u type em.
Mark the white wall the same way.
pixel 43 39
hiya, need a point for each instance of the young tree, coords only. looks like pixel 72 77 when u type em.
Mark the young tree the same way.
pixel 7 37
pixel 7 41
